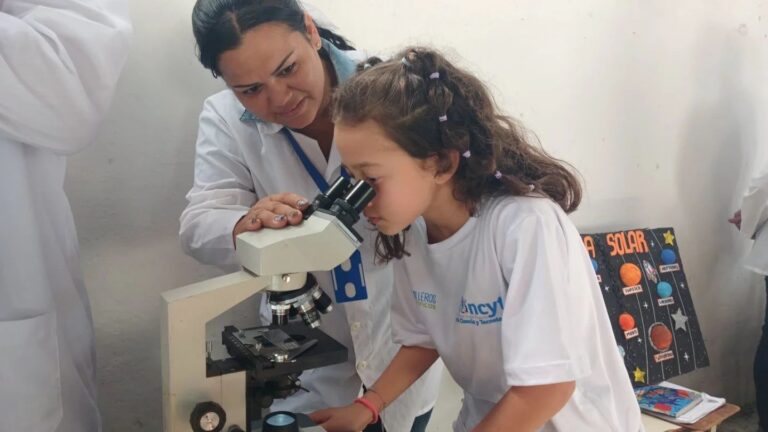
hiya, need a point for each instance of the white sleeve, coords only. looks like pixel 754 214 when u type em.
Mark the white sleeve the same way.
pixel 222 193
pixel 59 63
pixel 538 321
pixel 754 206
pixel 407 327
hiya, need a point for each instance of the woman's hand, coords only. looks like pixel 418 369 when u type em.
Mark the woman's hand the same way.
pixel 736 219
pixel 273 211
pixel 351 418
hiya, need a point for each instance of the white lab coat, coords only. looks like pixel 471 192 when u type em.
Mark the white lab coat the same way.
pixel 754 215
pixel 59 62
pixel 239 160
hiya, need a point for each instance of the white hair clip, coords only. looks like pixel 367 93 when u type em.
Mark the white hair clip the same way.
pixel 497 174
pixel 443 118
pixel 531 187
pixel 405 61
pixel 467 154
pixel 434 75
pixel 366 66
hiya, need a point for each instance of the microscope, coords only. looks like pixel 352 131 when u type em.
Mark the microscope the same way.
pixel 206 395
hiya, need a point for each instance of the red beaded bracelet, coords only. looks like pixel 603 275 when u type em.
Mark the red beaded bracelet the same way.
pixel 366 403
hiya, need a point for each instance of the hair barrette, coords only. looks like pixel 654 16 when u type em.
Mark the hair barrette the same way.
pixel 443 118
pixel 467 154
pixel 434 75
pixel 405 61
pixel 498 175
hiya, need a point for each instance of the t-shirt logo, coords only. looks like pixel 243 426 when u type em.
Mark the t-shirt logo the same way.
pixel 426 300
pixel 480 313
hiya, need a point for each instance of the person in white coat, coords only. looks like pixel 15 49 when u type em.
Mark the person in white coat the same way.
pixel 59 63
pixel 751 220
pixel 264 148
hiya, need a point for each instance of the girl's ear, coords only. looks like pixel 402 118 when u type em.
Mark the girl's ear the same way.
pixel 444 167
pixel 314 35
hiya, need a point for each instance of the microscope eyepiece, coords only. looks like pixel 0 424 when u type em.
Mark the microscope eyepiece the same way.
pixel 348 208
pixel 324 200
pixel 360 195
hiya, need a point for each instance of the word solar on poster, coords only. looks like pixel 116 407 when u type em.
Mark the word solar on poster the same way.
pixel 643 282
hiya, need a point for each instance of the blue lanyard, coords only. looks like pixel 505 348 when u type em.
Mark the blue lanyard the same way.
pixel 348 277
pixel 320 181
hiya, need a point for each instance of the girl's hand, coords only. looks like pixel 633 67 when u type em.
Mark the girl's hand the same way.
pixel 351 418
pixel 273 211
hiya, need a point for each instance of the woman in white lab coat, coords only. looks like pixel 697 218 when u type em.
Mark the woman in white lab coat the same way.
pixel 59 62
pixel 751 220
pixel 281 67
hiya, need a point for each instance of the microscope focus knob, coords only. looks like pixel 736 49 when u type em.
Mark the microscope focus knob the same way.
pixel 208 417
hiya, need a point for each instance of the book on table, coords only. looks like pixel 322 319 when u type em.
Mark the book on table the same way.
pixel 670 402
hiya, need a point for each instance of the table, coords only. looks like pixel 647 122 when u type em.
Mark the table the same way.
pixel 708 424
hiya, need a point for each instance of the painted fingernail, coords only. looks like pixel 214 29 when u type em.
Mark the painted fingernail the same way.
pixel 294 215
pixel 279 218
pixel 302 203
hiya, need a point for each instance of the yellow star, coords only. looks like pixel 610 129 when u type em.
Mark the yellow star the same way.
pixel 639 375
pixel 669 238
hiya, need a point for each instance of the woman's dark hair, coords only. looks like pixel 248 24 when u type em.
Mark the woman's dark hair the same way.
pixel 219 25
pixel 430 108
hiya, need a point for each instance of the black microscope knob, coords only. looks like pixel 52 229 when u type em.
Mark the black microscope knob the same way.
pixel 208 417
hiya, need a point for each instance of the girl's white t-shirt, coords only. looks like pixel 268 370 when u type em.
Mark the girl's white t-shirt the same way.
pixel 511 299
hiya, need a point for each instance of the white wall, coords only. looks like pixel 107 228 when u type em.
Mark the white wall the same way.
pixel 661 106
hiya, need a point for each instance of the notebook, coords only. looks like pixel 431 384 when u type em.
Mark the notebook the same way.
pixel 671 402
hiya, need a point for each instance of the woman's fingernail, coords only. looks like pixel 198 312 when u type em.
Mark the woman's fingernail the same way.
pixel 255 220
pixel 279 218
pixel 302 203
pixel 294 215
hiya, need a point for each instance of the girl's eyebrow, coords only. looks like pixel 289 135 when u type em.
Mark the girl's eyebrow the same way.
pixel 362 165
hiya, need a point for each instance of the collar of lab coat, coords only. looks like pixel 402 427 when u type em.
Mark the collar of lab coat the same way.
pixel 343 65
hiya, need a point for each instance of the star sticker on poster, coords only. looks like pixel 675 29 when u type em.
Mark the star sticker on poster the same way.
pixel 669 238
pixel 680 320
pixel 639 375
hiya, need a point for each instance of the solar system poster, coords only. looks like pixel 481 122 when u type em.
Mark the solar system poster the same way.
pixel 642 279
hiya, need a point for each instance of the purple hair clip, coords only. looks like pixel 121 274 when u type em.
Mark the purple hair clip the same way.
pixel 497 174
pixel 467 154
pixel 434 75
